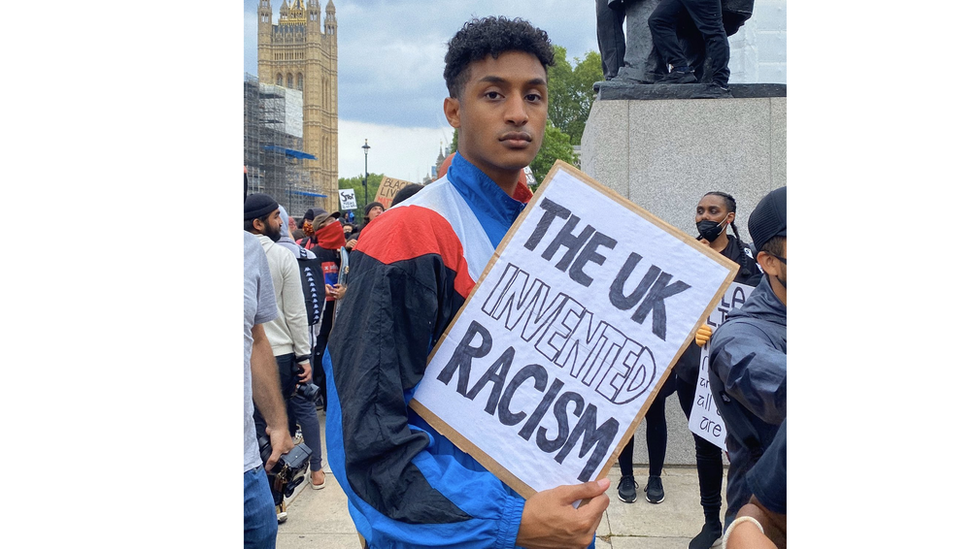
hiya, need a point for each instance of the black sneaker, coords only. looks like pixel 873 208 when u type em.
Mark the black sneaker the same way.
pixel 654 492
pixel 710 536
pixel 627 489
pixel 713 91
pixel 677 77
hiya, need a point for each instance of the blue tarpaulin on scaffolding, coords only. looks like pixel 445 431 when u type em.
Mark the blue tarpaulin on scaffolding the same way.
pixel 289 152
pixel 306 193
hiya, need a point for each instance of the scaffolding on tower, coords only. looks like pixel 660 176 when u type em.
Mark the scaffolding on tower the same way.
pixel 273 154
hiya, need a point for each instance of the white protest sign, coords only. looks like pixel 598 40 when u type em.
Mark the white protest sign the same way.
pixel 347 199
pixel 546 370
pixel 704 420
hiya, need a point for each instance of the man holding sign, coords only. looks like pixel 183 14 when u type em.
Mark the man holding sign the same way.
pixel 407 484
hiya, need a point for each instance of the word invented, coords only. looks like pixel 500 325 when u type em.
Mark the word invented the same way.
pixel 563 332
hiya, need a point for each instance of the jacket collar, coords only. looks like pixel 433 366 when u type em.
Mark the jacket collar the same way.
pixel 493 207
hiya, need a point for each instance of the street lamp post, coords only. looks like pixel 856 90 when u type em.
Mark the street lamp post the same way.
pixel 365 175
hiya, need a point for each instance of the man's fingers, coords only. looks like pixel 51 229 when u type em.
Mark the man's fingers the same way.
pixel 584 491
pixel 275 454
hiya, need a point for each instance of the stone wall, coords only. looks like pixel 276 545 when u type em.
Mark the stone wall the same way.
pixel 665 154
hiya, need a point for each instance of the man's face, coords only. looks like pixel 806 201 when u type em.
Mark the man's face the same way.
pixel 272 229
pixel 501 114
pixel 374 212
pixel 347 229
pixel 775 267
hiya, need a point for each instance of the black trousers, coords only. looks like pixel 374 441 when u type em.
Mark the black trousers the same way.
pixel 610 38
pixel 708 457
pixel 707 17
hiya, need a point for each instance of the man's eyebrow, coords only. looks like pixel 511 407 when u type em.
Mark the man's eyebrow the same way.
pixel 492 79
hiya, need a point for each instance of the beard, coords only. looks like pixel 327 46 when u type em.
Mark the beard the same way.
pixel 273 233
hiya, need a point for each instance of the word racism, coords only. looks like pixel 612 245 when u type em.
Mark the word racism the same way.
pixel 564 333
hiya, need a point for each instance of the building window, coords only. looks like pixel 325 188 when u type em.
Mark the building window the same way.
pixel 301 81
pixel 290 81
pixel 278 79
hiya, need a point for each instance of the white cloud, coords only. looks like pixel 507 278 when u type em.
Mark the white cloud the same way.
pixel 403 153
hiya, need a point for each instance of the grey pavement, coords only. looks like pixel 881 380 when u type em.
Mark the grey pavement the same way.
pixel 320 518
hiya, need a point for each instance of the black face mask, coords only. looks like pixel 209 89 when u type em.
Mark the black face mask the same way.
pixel 710 230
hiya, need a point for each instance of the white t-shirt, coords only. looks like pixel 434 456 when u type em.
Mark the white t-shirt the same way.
pixel 259 307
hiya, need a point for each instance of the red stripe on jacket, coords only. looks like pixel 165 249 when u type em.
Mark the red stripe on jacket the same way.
pixel 408 232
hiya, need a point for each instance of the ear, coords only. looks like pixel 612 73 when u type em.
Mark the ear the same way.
pixel 731 217
pixel 452 110
pixel 769 264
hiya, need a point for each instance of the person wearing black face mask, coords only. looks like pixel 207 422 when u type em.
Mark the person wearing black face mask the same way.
pixel 714 214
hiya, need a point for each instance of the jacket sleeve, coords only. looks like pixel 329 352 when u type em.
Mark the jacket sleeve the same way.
pixel 752 368
pixel 293 305
pixel 407 485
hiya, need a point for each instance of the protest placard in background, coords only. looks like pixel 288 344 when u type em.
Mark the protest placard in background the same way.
pixel 579 316
pixel 347 199
pixel 388 189
pixel 704 420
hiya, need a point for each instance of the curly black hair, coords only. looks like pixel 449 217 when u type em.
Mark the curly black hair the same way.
pixel 493 36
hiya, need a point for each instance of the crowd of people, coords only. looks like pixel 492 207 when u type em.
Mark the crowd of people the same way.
pixel 392 287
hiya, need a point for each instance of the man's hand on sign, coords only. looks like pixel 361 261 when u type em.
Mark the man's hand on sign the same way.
pixel 703 334
pixel 550 521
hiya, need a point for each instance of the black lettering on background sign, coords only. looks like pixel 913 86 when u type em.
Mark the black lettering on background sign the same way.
pixel 461 359
pixel 738 297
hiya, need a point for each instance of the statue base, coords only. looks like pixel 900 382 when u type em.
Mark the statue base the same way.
pixel 665 153
pixel 624 89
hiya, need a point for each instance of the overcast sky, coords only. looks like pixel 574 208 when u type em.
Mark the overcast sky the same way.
pixel 391 61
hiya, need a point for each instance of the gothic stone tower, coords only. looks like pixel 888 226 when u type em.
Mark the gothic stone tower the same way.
pixel 299 53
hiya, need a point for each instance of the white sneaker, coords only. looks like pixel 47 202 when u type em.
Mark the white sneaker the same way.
pixel 282 515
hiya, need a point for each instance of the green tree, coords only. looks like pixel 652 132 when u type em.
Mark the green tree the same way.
pixel 356 183
pixel 571 91
pixel 555 146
